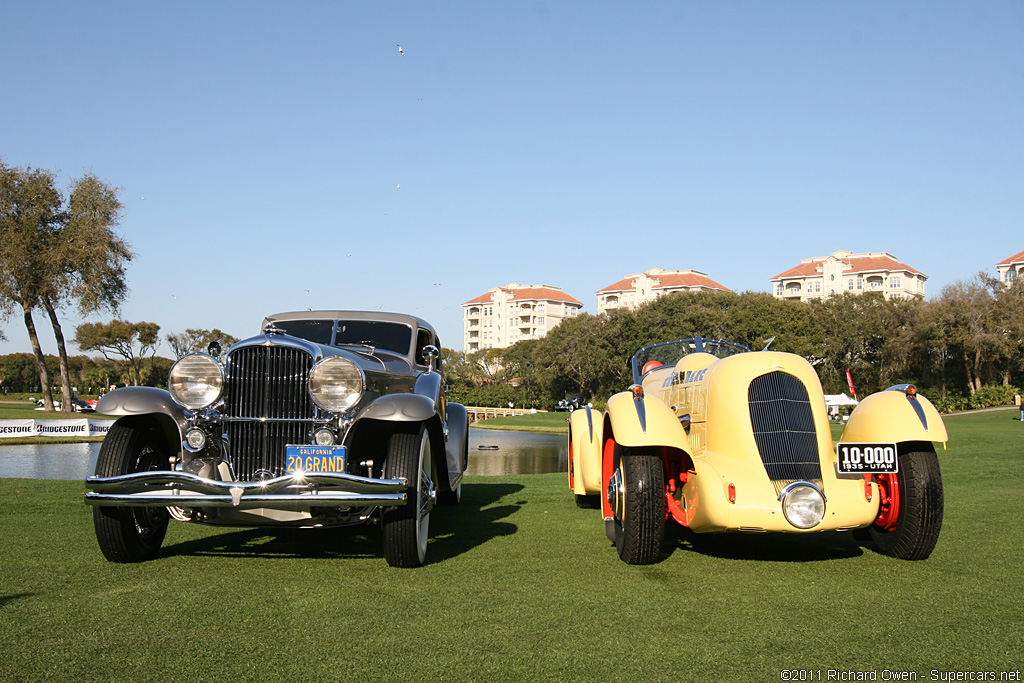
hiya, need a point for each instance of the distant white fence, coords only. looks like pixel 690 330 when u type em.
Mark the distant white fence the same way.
pixel 82 426
pixel 481 413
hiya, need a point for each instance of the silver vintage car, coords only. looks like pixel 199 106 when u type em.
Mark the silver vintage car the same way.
pixel 327 418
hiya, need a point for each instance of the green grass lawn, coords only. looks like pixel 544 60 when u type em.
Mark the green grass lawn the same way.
pixel 521 586
pixel 537 422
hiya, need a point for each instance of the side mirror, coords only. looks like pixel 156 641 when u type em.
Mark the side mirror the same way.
pixel 430 352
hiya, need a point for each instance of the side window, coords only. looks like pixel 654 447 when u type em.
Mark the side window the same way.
pixel 423 338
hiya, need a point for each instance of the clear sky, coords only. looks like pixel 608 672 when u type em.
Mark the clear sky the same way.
pixel 278 156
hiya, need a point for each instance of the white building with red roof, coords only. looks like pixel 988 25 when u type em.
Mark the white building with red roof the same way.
pixel 841 271
pixel 639 288
pixel 505 315
pixel 1011 269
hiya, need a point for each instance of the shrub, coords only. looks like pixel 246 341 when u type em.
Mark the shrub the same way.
pixel 953 403
pixel 999 395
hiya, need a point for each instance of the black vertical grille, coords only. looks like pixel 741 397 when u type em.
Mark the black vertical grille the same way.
pixel 266 382
pixel 780 415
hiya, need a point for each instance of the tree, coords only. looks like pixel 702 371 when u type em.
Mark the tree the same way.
pixel 30 215
pixel 1008 328
pixel 578 357
pixel 125 343
pixel 197 340
pixel 52 255
pixel 86 261
pixel 456 366
pixel 966 314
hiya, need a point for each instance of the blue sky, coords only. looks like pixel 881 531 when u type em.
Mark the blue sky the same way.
pixel 564 143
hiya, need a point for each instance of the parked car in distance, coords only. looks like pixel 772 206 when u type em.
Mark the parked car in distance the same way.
pixel 84 406
pixel 718 438
pixel 77 406
pixel 571 403
pixel 326 418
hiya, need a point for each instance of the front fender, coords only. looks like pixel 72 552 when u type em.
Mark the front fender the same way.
pixel 892 416
pixel 644 421
pixel 586 427
pixel 457 446
pixel 147 405
pixel 400 408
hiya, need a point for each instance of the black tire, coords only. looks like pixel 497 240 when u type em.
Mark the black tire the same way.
pixel 130 534
pixel 639 508
pixel 589 501
pixel 407 527
pixel 920 510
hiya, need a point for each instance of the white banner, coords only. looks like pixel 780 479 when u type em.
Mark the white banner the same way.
pixel 99 427
pixel 77 427
pixel 10 429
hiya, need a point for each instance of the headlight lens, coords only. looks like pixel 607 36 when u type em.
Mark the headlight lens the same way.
pixel 196 381
pixel 803 504
pixel 335 384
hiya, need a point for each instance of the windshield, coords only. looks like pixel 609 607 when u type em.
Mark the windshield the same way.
pixel 393 337
pixel 669 353
pixel 316 331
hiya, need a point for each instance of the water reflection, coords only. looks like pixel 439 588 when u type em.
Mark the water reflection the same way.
pixel 516 453
pixel 49 461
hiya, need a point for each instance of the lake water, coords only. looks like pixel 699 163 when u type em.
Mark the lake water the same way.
pixel 516 453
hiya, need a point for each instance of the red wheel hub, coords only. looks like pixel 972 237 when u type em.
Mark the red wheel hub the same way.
pixel 889 501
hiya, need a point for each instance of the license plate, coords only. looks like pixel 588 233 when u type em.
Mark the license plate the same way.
pixel 867 458
pixel 315 459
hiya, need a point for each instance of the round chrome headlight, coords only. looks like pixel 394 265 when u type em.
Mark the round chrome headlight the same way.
pixel 196 381
pixel 803 504
pixel 335 384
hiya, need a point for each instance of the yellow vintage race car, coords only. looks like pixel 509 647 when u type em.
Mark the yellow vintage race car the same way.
pixel 718 438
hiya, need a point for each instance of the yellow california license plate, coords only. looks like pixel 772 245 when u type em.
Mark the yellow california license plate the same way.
pixel 315 459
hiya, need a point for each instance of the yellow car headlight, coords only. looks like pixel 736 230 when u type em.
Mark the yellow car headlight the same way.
pixel 803 504
pixel 335 384
pixel 196 381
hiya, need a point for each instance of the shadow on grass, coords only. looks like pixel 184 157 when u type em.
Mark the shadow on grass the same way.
pixel 766 547
pixel 4 599
pixel 454 530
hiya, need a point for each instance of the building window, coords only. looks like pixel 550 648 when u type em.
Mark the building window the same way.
pixel 817 287
pixel 894 282
pixel 849 284
pixel 1011 275
pixel 860 282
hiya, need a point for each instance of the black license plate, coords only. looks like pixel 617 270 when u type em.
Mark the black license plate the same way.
pixel 867 458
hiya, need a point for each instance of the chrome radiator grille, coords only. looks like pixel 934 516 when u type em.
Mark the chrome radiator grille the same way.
pixel 266 382
pixel 780 415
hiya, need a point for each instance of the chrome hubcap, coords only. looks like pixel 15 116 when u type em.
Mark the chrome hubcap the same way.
pixel 616 494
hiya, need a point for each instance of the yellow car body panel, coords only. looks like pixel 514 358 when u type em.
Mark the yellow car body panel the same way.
pixel 891 416
pixel 641 421
pixel 585 430
pixel 726 452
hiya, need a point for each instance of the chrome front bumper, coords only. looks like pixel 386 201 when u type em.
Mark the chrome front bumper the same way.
pixel 291 492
